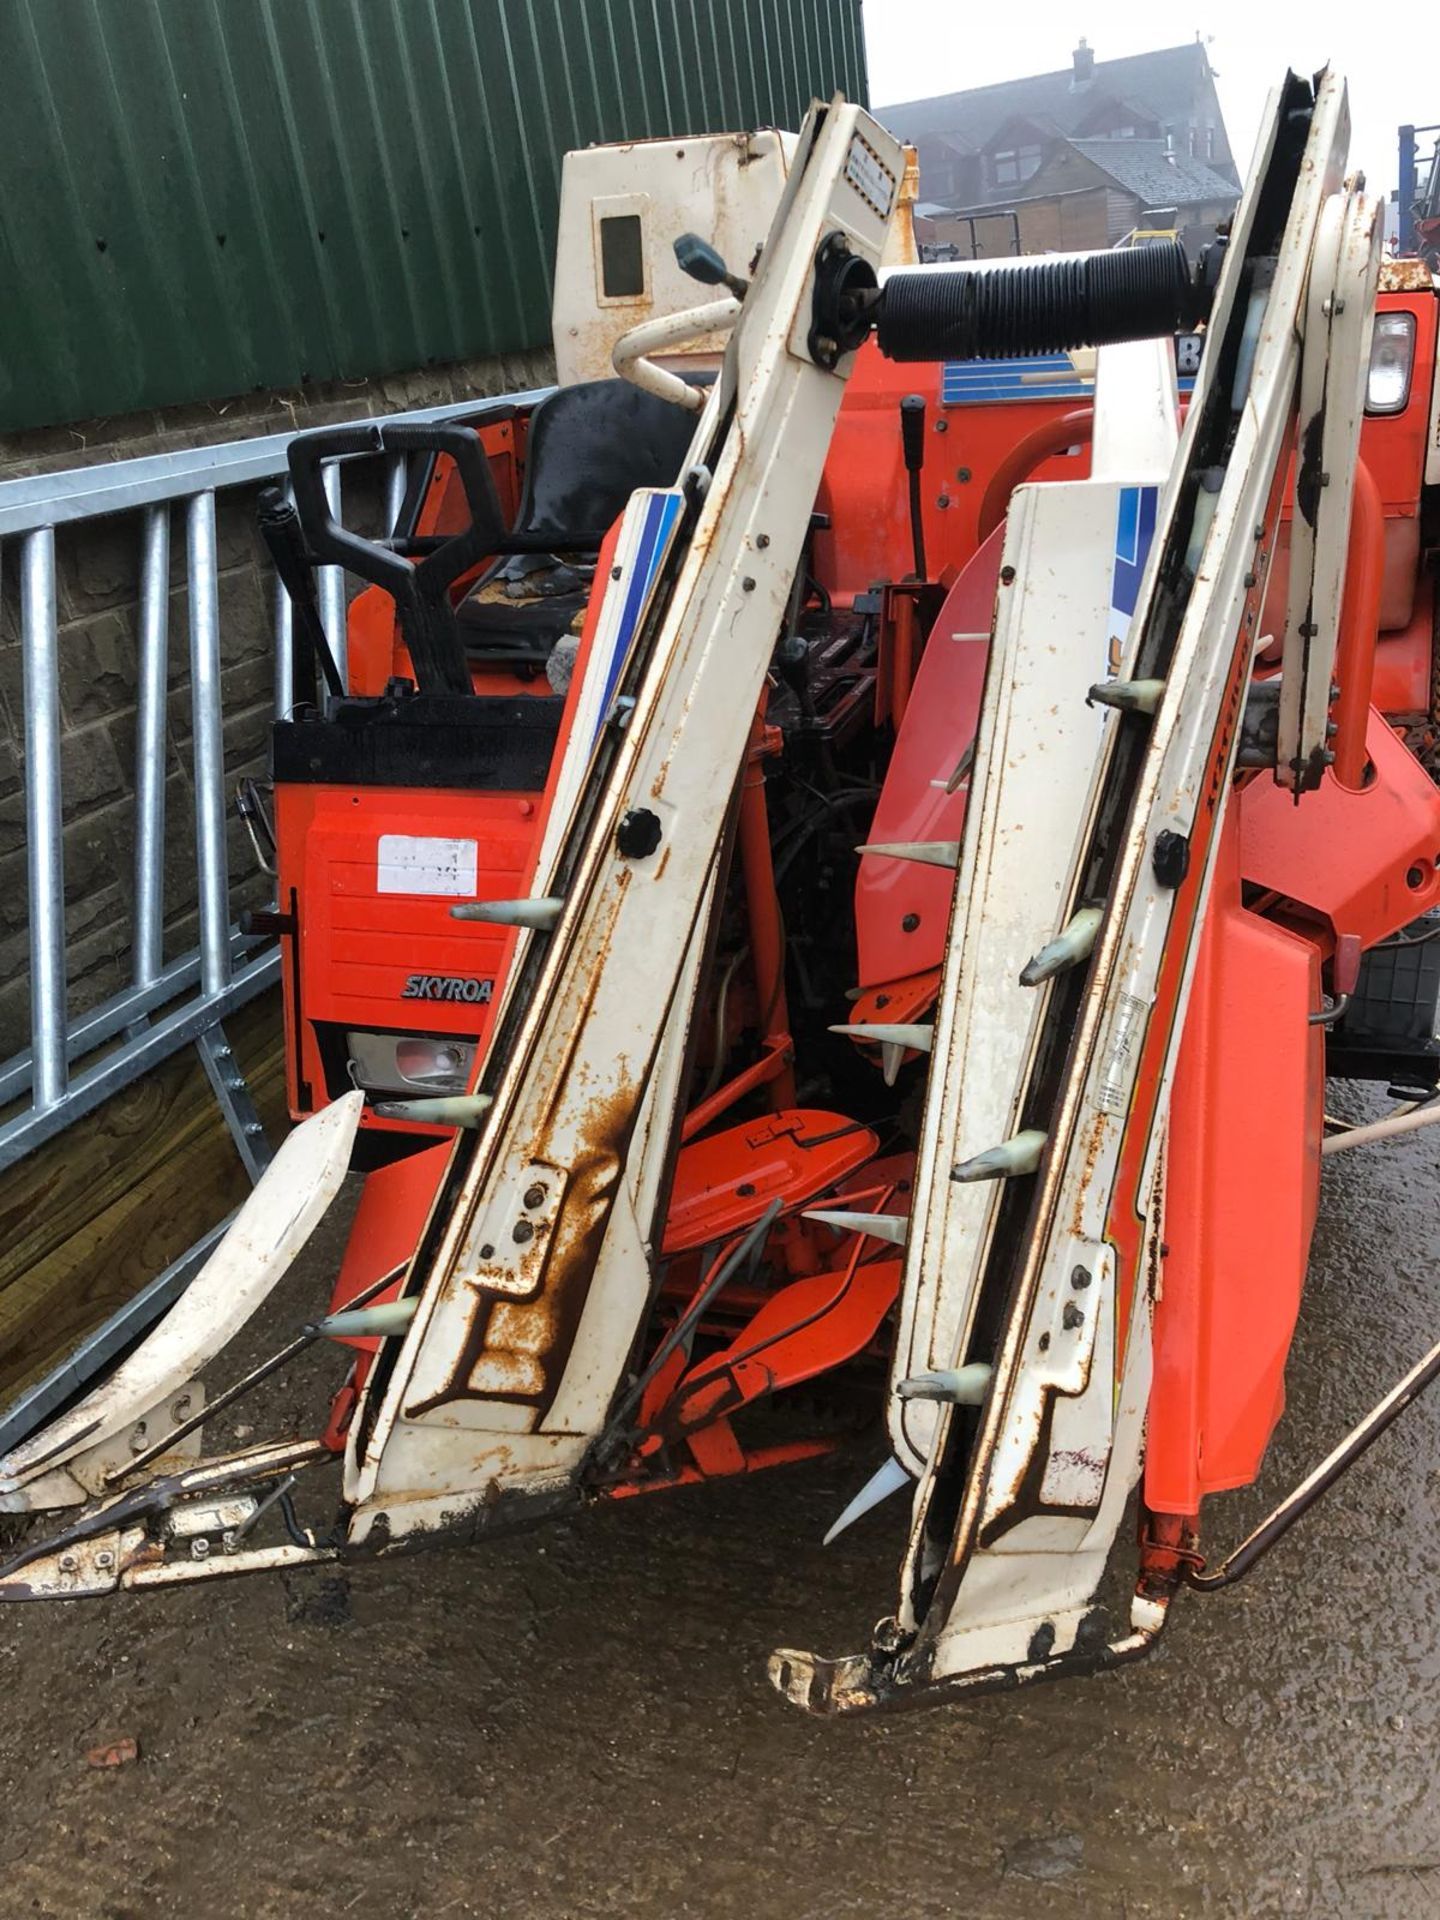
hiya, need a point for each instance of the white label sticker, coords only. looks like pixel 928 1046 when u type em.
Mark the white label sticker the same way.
pixel 870 176
pixel 410 863
pixel 1125 1033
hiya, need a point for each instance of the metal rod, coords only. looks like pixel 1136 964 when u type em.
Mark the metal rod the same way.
pixel 80 493
pixel 275 1493
pixel 330 581
pixel 153 683
pixel 209 1476
pixel 1277 1524
pixel 771 1064
pixel 31 1127
pixel 284 644
pixel 767 935
pixel 128 1008
pixel 715 1281
pixel 1386 1129
pixel 397 475
pixel 44 825
pixel 209 745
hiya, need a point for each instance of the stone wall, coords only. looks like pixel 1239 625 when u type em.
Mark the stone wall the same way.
pixel 97 581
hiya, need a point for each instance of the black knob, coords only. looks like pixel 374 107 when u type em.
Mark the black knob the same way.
pixel 700 260
pixel 912 431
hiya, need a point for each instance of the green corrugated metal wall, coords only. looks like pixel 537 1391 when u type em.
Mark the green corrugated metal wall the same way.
pixel 206 196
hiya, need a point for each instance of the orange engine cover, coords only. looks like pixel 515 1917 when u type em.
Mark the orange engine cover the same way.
pixel 374 946
pixel 1241 1191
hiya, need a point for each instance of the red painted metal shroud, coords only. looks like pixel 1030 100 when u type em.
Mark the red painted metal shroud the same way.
pixel 356 945
pixel 1245 1116
pixel 1242 1187
pixel 1362 861
pixel 386 1227
pixel 383 1236
pixel 1403 659
pixel 789 1156
pixel 816 1323
pixel 939 724
pixel 865 490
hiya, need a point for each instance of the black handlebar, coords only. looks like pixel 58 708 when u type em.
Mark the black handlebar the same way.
pixel 420 591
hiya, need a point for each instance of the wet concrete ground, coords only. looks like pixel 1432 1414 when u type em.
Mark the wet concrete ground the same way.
pixel 575 1721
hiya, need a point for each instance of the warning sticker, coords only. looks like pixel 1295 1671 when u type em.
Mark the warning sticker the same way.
pixel 415 863
pixel 1126 1032
pixel 870 177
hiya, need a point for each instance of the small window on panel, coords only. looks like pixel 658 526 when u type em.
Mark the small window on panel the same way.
pixel 622 257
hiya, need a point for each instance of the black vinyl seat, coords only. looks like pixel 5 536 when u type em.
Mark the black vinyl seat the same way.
pixel 589 447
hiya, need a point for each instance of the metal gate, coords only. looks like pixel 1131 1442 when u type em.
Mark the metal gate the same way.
pixel 73 1064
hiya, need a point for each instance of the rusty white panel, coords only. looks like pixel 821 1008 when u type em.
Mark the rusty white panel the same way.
pixel 86 1474
pixel 1007 1597
pixel 632 1243
pixel 1334 367
pixel 1058 630
pixel 1022 1578
pixel 725 187
pixel 614 975
pixel 1036 763
pixel 1045 1572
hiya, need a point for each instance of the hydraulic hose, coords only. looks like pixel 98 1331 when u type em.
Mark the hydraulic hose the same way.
pixel 1045 306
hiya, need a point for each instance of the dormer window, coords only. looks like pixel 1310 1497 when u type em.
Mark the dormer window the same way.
pixel 1014 164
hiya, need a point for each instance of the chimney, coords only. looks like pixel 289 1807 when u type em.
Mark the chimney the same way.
pixel 1084 58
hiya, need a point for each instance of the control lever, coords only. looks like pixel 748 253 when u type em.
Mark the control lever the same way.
pixel 698 259
pixel 912 441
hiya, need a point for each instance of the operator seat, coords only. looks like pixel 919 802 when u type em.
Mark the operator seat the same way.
pixel 589 447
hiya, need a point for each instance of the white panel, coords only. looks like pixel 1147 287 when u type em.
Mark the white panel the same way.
pixel 419 863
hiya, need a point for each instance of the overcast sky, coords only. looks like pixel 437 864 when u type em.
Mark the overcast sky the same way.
pixel 922 47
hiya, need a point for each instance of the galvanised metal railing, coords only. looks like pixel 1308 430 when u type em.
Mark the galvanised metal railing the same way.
pixel 167 1005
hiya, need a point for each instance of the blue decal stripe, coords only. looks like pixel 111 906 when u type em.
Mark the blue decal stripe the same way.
pixel 1134 530
pixel 1127 524
pixel 662 510
pixel 981 382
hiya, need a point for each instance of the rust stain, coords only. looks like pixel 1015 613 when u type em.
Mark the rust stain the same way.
pixel 902 242
pixel 1093 1141
pixel 503 1374
pixel 1405 276
pixel 1081 1463
pixel 517 1350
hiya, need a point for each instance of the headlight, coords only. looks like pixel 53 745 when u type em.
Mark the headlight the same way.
pixel 1392 355
pixel 405 1062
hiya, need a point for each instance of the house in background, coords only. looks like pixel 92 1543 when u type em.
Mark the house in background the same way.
pixel 1073 159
